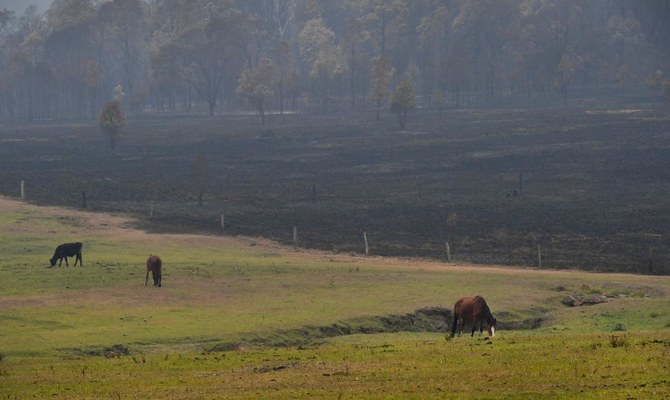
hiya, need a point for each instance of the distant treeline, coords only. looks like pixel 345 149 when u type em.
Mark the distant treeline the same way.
pixel 217 56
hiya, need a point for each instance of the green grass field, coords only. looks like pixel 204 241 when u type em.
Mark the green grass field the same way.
pixel 96 331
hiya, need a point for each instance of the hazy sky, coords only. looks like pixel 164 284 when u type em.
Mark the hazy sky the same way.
pixel 19 6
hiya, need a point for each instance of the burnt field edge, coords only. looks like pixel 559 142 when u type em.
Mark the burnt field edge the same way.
pixel 588 188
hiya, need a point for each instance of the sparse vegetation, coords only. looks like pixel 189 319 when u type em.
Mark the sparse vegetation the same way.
pixel 619 341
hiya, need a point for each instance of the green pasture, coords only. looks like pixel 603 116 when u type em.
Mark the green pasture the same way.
pixel 59 327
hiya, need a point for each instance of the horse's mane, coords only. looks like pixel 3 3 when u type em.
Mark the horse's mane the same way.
pixel 485 308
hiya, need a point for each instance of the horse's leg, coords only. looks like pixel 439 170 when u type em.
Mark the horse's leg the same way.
pixel 453 326
pixel 81 264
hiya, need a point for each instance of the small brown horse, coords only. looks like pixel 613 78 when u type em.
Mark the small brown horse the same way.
pixel 155 265
pixel 474 310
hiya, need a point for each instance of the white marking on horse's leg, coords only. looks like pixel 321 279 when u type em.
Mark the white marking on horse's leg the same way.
pixel 493 331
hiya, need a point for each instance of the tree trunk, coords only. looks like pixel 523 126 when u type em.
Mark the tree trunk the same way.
pixel 281 96
pixel 353 75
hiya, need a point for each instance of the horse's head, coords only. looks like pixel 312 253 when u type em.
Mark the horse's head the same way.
pixel 52 261
pixel 491 326
pixel 156 274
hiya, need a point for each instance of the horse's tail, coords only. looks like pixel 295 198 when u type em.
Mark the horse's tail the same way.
pixel 454 323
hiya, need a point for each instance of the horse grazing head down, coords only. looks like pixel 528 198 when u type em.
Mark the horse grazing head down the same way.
pixel 155 265
pixel 473 310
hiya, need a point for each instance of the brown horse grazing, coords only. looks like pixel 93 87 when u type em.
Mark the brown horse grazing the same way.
pixel 155 265
pixel 474 310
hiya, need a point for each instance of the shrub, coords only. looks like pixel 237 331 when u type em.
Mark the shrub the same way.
pixel 619 327
pixel 619 341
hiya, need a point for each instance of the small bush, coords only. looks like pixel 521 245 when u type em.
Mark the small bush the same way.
pixel 619 327
pixel 619 341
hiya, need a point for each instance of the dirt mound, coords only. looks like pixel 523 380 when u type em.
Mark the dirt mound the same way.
pixel 429 319
pixel 113 351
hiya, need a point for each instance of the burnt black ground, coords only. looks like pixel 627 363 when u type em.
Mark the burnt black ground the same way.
pixel 591 187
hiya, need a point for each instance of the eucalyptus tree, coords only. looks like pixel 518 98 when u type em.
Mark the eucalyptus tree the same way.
pixel 383 19
pixel 324 57
pixel 403 101
pixel 433 45
pixel 209 53
pixel 126 25
pixel 381 74
pixel 168 20
pixel 25 77
pixel 483 26
pixel 256 85
pixel 68 47
pixel 353 40
pixel 112 118
pixel 285 69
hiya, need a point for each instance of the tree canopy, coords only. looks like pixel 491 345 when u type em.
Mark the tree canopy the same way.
pixel 193 55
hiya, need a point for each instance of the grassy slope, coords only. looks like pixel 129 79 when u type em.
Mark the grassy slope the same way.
pixel 228 289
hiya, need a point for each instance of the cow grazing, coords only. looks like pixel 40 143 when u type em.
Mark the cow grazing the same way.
pixel 155 265
pixel 66 250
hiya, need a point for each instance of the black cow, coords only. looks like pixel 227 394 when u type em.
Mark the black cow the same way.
pixel 66 250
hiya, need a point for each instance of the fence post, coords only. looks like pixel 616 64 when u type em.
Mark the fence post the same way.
pixel 223 222
pixel 448 250
pixel 151 211
pixel 539 256
pixel 83 199
pixel 365 238
pixel 23 189
pixel 295 236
